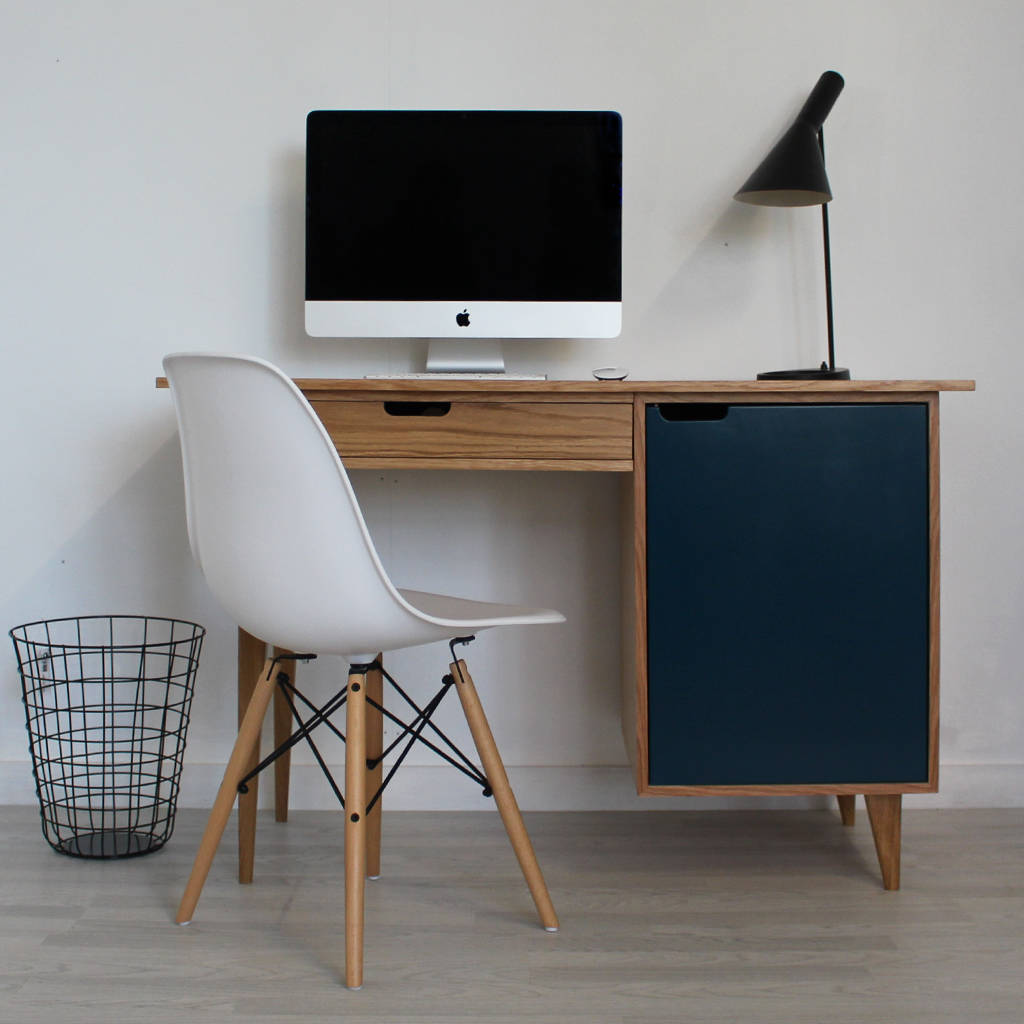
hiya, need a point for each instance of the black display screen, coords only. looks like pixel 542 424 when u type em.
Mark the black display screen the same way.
pixel 464 205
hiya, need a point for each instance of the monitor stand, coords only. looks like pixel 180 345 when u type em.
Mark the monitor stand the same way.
pixel 458 355
pixel 459 359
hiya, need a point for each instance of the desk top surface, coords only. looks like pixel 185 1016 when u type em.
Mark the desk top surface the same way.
pixel 623 389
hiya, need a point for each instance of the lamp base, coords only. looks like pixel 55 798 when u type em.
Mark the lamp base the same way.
pixel 821 373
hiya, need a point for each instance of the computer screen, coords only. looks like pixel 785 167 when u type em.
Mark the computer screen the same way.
pixel 456 224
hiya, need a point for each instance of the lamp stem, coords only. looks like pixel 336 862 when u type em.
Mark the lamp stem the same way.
pixel 828 268
pixel 828 289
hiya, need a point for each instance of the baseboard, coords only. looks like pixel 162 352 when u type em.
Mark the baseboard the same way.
pixel 554 788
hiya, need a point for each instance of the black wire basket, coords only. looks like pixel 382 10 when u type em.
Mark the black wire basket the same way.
pixel 107 700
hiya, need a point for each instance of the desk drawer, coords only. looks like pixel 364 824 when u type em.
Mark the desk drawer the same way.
pixel 491 432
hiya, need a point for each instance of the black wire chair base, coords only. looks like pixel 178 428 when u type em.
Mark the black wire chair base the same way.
pixel 412 732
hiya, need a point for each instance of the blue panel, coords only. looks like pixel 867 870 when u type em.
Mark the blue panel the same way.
pixel 787 562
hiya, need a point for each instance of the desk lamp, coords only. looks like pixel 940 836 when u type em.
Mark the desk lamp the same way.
pixel 793 174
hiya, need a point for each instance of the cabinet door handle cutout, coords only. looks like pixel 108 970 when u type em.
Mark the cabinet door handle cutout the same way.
pixel 693 412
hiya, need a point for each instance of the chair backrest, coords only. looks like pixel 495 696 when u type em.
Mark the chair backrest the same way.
pixel 272 518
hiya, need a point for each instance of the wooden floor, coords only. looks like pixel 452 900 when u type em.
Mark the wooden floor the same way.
pixel 775 916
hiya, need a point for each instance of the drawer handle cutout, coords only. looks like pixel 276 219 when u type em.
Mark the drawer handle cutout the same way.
pixel 693 412
pixel 417 408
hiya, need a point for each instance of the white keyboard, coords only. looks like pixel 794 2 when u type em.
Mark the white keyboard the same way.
pixel 456 376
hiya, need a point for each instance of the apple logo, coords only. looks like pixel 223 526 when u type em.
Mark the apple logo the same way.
pixel 462 319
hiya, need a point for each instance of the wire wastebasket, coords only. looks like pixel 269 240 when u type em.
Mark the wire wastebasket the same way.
pixel 107 700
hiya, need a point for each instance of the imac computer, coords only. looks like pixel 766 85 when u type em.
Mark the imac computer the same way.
pixel 463 225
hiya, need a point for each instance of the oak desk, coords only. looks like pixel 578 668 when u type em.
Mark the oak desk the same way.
pixel 780 566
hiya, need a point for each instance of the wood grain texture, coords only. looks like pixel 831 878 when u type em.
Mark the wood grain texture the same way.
pixel 641 759
pixel 237 766
pixel 793 789
pixel 761 916
pixel 561 465
pixel 629 684
pixel 347 387
pixel 505 799
pixel 327 386
pixel 374 749
pixel 885 813
pixel 859 395
pixel 482 430
pixel 251 654
pixel 847 809
pixel 933 592
pixel 355 828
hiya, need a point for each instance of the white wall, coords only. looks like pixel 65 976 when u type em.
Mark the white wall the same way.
pixel 152 200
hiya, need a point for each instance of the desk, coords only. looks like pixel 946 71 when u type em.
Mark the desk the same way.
pixel 727 650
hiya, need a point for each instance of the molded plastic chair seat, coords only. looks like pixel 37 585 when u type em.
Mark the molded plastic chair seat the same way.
pixel 459 612
pixel 275 526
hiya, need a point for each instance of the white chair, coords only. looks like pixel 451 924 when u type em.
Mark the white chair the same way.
pixel 277 531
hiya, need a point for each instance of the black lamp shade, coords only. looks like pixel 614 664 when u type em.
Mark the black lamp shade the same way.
pixel 793 173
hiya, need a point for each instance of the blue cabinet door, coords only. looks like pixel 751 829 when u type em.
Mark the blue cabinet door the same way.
pixel 788 583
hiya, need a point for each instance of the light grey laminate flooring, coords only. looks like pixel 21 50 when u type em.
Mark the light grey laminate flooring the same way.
pixel 731 916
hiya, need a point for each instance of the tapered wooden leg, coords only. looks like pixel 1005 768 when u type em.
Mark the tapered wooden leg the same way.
pixel 374 748
pixel 251 653
pixel 885 811
pixel 503 795
pixel 847 808
pixel 355 828
pixel 248 738
pixel 282 730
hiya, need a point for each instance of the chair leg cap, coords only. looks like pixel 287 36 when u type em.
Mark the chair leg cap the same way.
pixel 183 924
pixel 372 878
pixel 547 929
pixel 353 988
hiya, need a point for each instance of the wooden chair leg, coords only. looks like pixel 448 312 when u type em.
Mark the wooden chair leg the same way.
pixel 503 795
pixel 374 776
pixel 282 730
pixel 355 828
pixel 241 756
pixel 847 809
pixel 251 654
pixel 885 811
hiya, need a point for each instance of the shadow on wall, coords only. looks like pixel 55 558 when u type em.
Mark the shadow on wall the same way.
pixel 530 538
pixel 287 251
pixel 764 271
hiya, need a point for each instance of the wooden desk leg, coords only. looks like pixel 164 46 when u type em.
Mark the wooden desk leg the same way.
pixel 847 809
pixel 355 828
pixel 251 654
pixel 374 748
pixel 885 812
pixel 282 730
